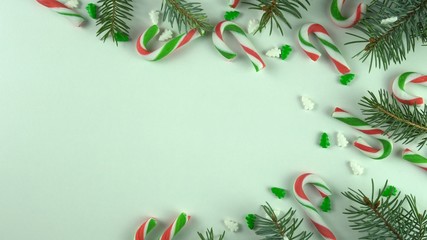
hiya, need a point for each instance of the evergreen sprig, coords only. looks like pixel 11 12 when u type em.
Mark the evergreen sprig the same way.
pixel 387 43
pixel 209 235
pixel 275 12
pixel 400 122
pixel 391 217
pixel 112 19
pixel 275 228
pixel 186 15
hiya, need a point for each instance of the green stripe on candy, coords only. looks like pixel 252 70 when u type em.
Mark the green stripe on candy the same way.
pixel 71 14
pixel 330 45
pixel 234 28
pixel 415 158
pixel 226 54
pixel 180 222
pixel 352 121
pixel 336 13
pixel 304 41
pixel 151 225
pixel 168 48
pixel 308 206
pixel 321 186
pixel 149 34
pixel 402 80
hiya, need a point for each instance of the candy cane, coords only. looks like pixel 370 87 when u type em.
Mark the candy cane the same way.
pixel 63 10
pixel 233 3
pixel 399 84
pixel 170 232
pixel 240 35
pixel 360 143
pixel 326 41
pixel 309 208
pixel 167 48
pixel 415 159
pixel 345 22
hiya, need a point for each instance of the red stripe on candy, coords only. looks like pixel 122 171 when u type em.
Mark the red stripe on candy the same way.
pixel 312 56
pixel 415 101
pixel 372 131
pixel 140 232
pixel 421 79
pixel 218 30
pixel 167 234
pixel 365 148
pixel 337 109
pixel 299 186
pixel 187 37
pixel 141 50
pixel 317 28
pixel 52 4
pixel 343 69
pixel 235 3
pixel 253 53
pixel 324 231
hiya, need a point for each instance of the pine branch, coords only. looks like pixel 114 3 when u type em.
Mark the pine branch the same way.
pixel 112 19
pixel 274 228
pixel 275 11
pixel 210 235
pixel 186 14
pixel 387 43
pixel 385 217
pixel 400 122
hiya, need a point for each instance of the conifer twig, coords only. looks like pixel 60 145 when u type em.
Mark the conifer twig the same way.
pixel 112 19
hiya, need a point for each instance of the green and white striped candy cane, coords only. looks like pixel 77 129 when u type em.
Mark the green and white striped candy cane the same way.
pixel 345 22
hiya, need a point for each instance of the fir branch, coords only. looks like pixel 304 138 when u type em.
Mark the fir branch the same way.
pixel 112 18
pixel 275 11
pixel 210 235
pixel 385 217
pixel 186 14
pixel 387 43
pixel 274 228
pixel 400 122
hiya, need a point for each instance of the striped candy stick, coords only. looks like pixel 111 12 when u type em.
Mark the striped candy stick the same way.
pixel 170 232
pixel 326 41
pixel 360 143
pixel 63 10
pixel 415 158
pixel 240 35
pixel 398 88
pixel 312 212
pixel 167 48
pixel 345 22
pixel 233 3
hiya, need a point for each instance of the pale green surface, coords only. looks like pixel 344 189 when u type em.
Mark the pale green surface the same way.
pixel 94 139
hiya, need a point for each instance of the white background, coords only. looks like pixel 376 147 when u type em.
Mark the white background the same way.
pixel 94 139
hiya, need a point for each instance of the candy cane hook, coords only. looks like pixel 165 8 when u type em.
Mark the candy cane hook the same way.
pixel 414 158
pixel 170 232
pixel 309 208
pixel 331 49
pixel 360 143
pixel 345 22
pixel 399 88
pixel 169 47
pixel 240 35
pixel 63 10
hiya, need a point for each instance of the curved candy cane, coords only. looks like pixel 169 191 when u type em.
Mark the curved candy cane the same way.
pixel 63 10
pixel 309 208
pixel 415 159
pixel 399 84
pixel 170 232
pixel 169 47
pixel 326 41
pixel 345 22
pixel 240 35
pixel 360 143
pixel 233 3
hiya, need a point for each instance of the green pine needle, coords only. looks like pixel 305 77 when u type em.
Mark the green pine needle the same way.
pixel 326 204
pixel 210 235
pixel 275 228
pixel 277 11
pixel 391 217
pixel 400 122
pixel 389 43
pixel 121 37
pixel 231 15
pixel 285 51
pixel 279 192
pixel 112 18
pixel 186 15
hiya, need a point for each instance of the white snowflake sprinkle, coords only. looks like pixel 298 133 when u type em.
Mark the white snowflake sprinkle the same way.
pixel 166 35
pixel 388 20
pixel 307 103
pixel 154 16
pixel 356 168
pixel 341 140
pixel 72 3
pixel 231 225
pixel 253 25
pixel 273 53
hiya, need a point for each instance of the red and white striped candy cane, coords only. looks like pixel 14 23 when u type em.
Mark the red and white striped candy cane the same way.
pixel 326 41
pixel 168 48
pixel 360 143
pixel 233 3
pixel 170 232
pixel 242 38
pixel 345 22
pixel 414 158
pixel 312 212
pixel 398 88
pixel 63 10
